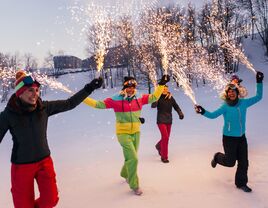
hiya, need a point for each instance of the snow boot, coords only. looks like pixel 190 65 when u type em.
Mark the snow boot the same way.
pixel 214 160
pixel 245 188
pixel 164 160
pixel 157 146
pixel 137 191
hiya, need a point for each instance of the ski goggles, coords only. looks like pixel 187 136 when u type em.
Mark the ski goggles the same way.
pixel 230 87
pixel 27 81
pixel 130 83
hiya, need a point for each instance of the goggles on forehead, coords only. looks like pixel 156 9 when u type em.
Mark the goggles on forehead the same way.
pixel 130 83
pixel 27 81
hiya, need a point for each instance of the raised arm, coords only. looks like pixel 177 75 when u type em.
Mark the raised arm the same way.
pixel 97 103
pixel 259 91
pixel 150 98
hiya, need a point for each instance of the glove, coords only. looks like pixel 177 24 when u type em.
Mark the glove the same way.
pixel 199 109
pixel 94 84
pixel 181 116
pixel 259 77
pixel 164 80
pixel 142 120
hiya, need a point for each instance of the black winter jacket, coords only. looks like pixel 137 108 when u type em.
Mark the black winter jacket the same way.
pixel 29 129
pixel 164 109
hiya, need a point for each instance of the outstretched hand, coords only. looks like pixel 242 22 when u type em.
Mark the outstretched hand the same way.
pixel 259 77
pixel 199 109
pixel 164 80
pixel 94 84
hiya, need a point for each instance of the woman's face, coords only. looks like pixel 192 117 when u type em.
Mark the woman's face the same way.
pixel 30 95
pixel 232 94
pixel 165 91
pixel 130 91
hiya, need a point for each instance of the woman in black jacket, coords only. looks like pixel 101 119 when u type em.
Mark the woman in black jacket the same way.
pixel 26 117
pixel 164 121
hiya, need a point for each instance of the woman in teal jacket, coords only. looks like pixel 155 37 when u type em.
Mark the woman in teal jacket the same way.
pixel 234 111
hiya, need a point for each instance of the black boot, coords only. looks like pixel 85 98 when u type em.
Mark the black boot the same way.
pixel 164 160
pixel 214 160
pixel 245 188
pixel 157 146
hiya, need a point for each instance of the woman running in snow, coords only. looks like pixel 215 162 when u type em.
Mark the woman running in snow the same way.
pixel 127 106
pixel 164 121
pixel 26 117
pixel 234 139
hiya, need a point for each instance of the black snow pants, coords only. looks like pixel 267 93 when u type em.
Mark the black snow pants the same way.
pixel 235 148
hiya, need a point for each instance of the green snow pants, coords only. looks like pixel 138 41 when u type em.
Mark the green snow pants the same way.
pixel 130 144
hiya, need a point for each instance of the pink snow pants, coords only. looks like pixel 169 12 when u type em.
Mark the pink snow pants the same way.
pixel 22 181
pixel 163 143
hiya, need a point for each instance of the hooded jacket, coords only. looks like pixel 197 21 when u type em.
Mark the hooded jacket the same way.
pixel 127 110
pixel 235 116
pixel 29 129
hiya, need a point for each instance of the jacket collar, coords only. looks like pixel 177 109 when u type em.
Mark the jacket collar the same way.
pixel 15 105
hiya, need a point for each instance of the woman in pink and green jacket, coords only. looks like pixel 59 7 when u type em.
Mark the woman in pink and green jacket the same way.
pixel 127 106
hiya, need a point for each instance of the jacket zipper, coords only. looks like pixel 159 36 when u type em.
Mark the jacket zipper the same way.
pixel 131 115
pixel 239 112
pixel 229 126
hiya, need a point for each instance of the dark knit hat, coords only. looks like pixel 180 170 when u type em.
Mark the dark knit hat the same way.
pixel 235 77
pixel 129 82
pixel 23 82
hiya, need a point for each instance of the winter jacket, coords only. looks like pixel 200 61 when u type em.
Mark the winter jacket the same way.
pixel 164 109
pixel 235 116
pixel 29 129
pixel 127 110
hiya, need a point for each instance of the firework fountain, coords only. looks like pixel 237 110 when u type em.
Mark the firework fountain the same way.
pixel 225 41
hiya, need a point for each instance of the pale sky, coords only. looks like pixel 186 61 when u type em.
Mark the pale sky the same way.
pixel 39 26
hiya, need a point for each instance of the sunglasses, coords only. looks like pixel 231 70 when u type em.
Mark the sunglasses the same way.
pixel 27 81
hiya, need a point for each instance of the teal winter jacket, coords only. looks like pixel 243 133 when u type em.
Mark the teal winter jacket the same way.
pixel 235 116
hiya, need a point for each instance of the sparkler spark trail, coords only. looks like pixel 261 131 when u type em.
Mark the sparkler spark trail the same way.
pixel 96 22
pixel 7 77
pixel 225 41
pixel 44 80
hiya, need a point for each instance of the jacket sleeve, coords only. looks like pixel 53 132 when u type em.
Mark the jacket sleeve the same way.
pixel 105 104
pixel 176 106
pixel 58 106
pixel 216 113
pixel 259 91
pixel 3 125
pixel 150 98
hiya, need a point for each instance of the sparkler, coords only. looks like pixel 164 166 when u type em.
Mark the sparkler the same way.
pixel 44 80
pixel 225 41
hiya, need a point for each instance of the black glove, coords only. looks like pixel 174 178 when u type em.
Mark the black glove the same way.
pixel 199 109
pixel 142 120
pixel 259 77
pixel 164 80
pixel 181 116
pixel 94 84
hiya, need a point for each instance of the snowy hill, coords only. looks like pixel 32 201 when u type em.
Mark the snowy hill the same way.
pixel 88 158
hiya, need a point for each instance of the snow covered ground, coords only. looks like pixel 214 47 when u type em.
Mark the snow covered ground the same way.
pixel 88 157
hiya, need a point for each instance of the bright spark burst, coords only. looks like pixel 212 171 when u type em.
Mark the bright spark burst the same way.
pixel 44 80
pixel 225 41
pixel 7 78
